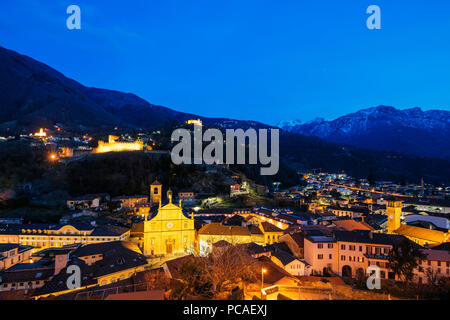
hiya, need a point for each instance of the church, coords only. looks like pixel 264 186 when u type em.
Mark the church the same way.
pixel 169 231
pixel 421 236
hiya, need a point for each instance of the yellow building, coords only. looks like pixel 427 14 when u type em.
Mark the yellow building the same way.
pixel 113 146
pixel 421 236
pixel 169 232
pixel 42 236
pixel 394 213
pixel 215 232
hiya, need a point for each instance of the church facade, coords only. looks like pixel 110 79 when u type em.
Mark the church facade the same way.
pixel 169 232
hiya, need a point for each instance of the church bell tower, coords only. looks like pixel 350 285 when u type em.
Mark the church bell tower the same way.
pixel 394 213
pixel 155 192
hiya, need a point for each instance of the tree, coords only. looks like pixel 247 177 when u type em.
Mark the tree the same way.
pixel 229 267
pixel 432 276
pixel 404 258
pixel 220 271
pixel 191 278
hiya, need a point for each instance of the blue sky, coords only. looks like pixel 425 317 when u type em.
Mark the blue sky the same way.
pixel 245 59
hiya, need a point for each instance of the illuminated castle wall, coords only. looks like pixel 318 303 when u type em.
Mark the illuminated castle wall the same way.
pixel 113 146
pixel 197 122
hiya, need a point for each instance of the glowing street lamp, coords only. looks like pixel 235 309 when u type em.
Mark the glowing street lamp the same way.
pixel 262 280
pixel 53 157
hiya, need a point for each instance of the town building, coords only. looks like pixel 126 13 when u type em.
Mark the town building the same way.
pixel 421 236
pixel 131 202
pixel 40 236
pixel 186 196
pixel 90 201
pixel 169 232
pixel 349 253
pixel 214 232
pixel 435 266
pixel 101 264
pixel 12 254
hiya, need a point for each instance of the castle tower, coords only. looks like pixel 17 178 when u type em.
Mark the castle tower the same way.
pixel 394 213
pixel 155 192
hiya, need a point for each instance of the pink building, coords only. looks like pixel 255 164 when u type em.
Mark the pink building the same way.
pixel 349 253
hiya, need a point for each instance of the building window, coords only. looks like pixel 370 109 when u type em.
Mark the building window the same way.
pixel 320 246
pixel 330 246
pixel 320 256
pixel 342 246
pixel 342 258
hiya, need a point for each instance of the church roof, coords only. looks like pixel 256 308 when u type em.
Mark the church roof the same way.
pixel 156 183
pixel 170 206
pixel 422 233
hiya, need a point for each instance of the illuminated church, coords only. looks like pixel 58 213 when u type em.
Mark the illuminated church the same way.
pixel 169 232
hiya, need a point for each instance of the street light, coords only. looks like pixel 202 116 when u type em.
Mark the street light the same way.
pixel 262 281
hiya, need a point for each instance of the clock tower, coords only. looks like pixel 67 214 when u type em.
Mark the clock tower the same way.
pixel 394 212
pixel 169 232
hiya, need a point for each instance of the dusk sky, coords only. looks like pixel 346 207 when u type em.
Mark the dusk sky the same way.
pixel 245 59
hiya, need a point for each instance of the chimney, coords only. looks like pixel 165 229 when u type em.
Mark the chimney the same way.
pixel 61 262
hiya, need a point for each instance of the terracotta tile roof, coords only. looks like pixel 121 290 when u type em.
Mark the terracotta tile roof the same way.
pixel 268 227
pixel 174 265
pixel 422 233
pixel 299 238
pixel 273 272
pixel 216 228
pixel 350 225
pixel 437 255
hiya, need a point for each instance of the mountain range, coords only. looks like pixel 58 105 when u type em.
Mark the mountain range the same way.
pixel 410 131
pixel 34 95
